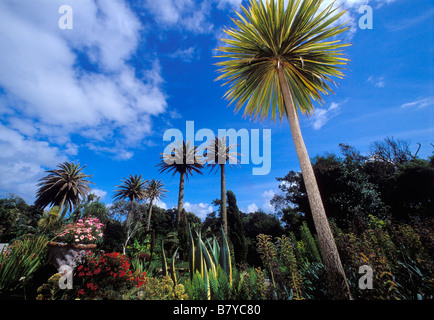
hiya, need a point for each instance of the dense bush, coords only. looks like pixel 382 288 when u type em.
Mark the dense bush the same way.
pixel 106 276
pixel 19 262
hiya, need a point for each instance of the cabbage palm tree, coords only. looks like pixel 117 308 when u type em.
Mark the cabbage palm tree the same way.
pixel 218 153
pixel 154 191
pixel 185 160
pixel 66 185
pixel 134 189
pixel 277 62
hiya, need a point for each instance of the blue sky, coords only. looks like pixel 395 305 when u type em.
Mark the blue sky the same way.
pixel 104 92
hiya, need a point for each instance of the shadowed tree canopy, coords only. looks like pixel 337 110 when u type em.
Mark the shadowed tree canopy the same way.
pixel 65 185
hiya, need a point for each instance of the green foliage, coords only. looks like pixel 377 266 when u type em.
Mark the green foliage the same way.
pixel 19 261
pixel 163 260
pixel 114 235
pixel 401 263
pixel 17 218
pixel 261 45
pixel 201 260
pixel 312 251
pixel 388 183
pixel 281 264
pixel 65 185
pixel 91 207
pixel 253 285
pixel 212 264
pixel 50 222
pixel 196 288
pixel 157 289
pixel 254 224
pixel 236 230
pixel 51 290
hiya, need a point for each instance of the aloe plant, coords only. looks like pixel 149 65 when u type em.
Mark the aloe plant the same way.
pixel 165 269
pixel 210 263
pixel 172 269
pixel 163 259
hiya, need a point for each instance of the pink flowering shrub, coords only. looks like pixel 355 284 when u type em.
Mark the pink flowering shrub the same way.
pixel 86 231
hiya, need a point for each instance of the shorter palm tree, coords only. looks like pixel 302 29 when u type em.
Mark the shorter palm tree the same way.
pixel 66 185
pixel 219 153
pixel 155 191
pixel 134 189
pixel 182 159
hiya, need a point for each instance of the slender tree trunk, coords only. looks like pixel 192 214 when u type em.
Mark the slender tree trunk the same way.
pixel 335 271
pixel 223 198
pixel 149 215
pixel 127 225
pixel 180 198
pixel 60 216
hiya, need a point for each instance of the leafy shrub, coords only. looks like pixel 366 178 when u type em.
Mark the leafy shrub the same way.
pixel 51 290
pixel 401 264
pixel 106 277
pixel 19 261
pixel 281 264
pixel 155 289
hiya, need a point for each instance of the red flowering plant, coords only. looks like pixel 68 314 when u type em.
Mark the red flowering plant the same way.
pixel 106 276
pixel 88 230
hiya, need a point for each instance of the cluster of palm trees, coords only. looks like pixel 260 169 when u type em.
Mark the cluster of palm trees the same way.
pixel 278 60
pixel 68 184
pixel 186 159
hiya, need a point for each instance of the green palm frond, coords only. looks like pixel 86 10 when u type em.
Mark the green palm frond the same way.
pixel 67 183
pixel 299 38
pixel 183 158
pixel 155 189
pixel 132 188
pixel 218 152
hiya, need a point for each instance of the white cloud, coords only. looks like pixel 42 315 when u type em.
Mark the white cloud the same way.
pixel 264 203
pixel 251 208
pixel 267 196
pixel 322 115
pixel 57 84
pixel 186 14
pixel 377 81
pixel 186 55
pixel 199 209
pixel 46 74
pixel 222 4
pixel 22 162
pixel 161 204
pixel 419 104
pixel 99 193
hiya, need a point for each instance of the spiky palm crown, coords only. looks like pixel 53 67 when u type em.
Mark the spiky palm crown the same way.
pixel 155 189
pixel 297 38
pixel 183 158
pixel 218 152
pixel 67 182
pixel 133 188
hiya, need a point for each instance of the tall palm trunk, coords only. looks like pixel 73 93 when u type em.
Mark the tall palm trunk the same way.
pixel 330 254
pixel 180 197
pixel 223 198
pixel 62 203
pixel 149 214
pixel 128 224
